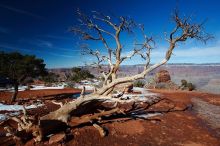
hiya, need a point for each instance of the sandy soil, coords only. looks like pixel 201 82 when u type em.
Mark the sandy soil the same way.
pixel 177 128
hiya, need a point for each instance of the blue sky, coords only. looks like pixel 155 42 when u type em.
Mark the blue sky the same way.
pixel 40 27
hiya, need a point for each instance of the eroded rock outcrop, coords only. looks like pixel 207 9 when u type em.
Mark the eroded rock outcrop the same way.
pixel 162 80
pixel 162 76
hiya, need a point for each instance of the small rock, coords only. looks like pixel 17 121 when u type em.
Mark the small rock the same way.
pixel 57 138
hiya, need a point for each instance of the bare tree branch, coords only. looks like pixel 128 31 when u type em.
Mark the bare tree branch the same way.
pixel 184 29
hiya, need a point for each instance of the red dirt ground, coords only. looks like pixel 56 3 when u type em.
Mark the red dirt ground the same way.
pixel 36 94
pixel 181 128
pixel 185 96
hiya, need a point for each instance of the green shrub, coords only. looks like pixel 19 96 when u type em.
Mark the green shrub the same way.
pixel 114 92
pixel 139 84
pixel 190 86
pixel 50 78
pixel 183 83
pixel 79 74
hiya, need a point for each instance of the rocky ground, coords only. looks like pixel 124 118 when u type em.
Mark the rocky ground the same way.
pixel 198 125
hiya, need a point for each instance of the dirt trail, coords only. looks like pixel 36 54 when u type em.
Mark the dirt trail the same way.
pixel 209 112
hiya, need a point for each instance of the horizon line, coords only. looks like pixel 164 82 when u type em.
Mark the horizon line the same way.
pixel 138 65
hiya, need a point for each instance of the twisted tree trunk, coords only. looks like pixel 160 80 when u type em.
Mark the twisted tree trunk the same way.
pixel 183 30
pixel 15 92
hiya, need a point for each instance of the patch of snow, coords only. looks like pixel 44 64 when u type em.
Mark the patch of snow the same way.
pixel 4 117
pixel 3 89
pixel 44 87
pixel 138 88
pixel 20 88
pixel 142 90
pixel 144 96
pixel 145 116
pixel 35 87
pixel 87 87
pixel 4 107
pixel 16 109
pixel 140 97
pixel 34 106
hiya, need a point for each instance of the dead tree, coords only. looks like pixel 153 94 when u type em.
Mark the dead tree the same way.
pixel 93 30
pixel 182 31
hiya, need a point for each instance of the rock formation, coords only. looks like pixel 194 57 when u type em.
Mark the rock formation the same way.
pixel 162 76
pixel 162 80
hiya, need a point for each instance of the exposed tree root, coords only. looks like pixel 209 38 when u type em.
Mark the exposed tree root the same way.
pixel 101 130
pixel 85 110
pixel 76 121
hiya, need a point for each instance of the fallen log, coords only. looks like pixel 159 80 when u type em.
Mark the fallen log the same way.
pixel 87 109
pixel 75 121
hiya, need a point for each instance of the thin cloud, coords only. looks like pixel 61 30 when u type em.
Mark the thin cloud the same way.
pixel 20 11
pixel 47 45
pixel 37 42
pixel 66 50
pixel 199 52
pixel 61 55
pixel 191 52
pixel 202 54
pixel 42 43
